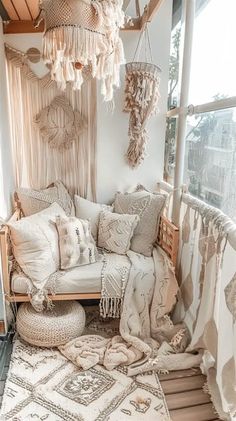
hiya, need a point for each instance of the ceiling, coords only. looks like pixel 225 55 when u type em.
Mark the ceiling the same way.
pixel 19 15
pixel 19 9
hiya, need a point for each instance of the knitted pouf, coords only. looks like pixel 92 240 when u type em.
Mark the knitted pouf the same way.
pixel 53 327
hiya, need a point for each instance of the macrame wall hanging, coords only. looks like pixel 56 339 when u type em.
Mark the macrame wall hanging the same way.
pixel 82 33
pixel 62 145
pixel 59 124
pixel 141 98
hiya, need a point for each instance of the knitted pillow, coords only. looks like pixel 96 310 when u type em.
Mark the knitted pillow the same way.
pixel 115 231
pixel 148 207
pixel 89 210
pixel 35 244
pixel 33 201
pixel 77 246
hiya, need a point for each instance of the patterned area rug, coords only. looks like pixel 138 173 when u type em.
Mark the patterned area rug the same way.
pixel 43 385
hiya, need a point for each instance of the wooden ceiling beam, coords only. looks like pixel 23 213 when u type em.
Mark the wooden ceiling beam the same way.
pixel 27 27
pixel 21 27
pixel 150 11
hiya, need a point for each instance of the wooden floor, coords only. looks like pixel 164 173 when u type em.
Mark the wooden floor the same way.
pixel 185 397
pixel 183 389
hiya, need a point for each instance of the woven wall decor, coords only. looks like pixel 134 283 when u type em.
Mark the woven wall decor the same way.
pixel 59 124
pixel 141 95
pixel 80 33
pixel 141 98
pixel 36 164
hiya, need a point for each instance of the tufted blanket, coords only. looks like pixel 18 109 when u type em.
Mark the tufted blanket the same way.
pixel 148 339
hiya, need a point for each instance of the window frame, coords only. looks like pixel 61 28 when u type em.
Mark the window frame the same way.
pixel 185 109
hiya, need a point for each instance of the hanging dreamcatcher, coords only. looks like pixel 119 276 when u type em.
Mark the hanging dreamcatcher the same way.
pixel 141 98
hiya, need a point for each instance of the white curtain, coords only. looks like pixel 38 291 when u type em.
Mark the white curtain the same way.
pixel 36 164
pixel 207 272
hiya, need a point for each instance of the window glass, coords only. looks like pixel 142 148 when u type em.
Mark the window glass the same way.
pixel 173 87
pixel 213 67
pixel 170 149
pixel 210 159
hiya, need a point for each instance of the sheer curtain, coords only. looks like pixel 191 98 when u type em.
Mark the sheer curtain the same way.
pixel 36 164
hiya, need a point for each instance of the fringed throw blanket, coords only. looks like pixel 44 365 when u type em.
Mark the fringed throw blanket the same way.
pixel 115 275
pixel 148 339
pixel 142 292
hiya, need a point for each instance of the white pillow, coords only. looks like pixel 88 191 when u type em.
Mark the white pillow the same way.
pixel 115 231
pixel 35 244
pixel 85 209
pixel 77 246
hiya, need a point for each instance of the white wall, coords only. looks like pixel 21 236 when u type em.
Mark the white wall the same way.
pixel 113 172
pixel 112 142
pixel 6 174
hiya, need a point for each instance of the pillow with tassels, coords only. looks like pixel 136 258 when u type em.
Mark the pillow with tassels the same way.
pixel 76 244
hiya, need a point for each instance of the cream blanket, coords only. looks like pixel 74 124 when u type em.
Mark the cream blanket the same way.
pixel 148 339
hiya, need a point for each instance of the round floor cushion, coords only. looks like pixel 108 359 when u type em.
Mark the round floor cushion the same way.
pixel 51 328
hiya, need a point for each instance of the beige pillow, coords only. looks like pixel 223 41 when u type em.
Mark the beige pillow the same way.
pixel 35 243
pixel 89 210
pixel 115 231
pixel 33 201
pixel 77 246
pixel 148 207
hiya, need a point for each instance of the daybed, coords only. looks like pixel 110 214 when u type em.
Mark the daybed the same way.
pixel 80 283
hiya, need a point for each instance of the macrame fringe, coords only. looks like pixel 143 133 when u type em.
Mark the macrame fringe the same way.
pixel 67 45
pixel 110 307
pixel 142 94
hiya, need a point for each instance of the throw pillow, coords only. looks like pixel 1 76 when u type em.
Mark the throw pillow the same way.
pixel 35 244
pixel 33 201
pixel 77 246
pixel 89 210
pixel 148 207
pixel 115 231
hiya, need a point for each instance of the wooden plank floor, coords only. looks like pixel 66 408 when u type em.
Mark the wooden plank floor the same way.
pixel 185 397
pixel 183 389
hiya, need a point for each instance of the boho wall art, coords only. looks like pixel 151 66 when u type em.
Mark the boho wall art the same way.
pixel 141 96
pixel 68 152
pixel 59 124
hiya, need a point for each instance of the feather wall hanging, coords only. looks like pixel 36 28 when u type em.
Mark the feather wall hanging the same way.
pixel 141 99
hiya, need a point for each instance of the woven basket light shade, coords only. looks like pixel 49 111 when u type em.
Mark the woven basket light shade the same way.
pixel 51 328
pixel 83 33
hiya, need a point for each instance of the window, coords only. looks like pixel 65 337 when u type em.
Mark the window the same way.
pixel 213 66
pixel 173 92
pixel 210 158
pixel 210 142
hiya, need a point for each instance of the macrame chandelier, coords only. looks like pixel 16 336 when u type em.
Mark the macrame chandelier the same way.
pixel 82 35
pixel 141 99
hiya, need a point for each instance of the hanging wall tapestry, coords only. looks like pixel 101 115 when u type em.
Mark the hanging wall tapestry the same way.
pixel 59 124
pixel 141 98
pixel 62 146
pixel 83 33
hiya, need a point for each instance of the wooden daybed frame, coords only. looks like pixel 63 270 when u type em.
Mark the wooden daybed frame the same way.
pixel 168 239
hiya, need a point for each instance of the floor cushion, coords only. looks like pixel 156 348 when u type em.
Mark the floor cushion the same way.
pixel 50 328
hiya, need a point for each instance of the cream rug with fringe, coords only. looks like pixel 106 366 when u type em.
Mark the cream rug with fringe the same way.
pixel 43 385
